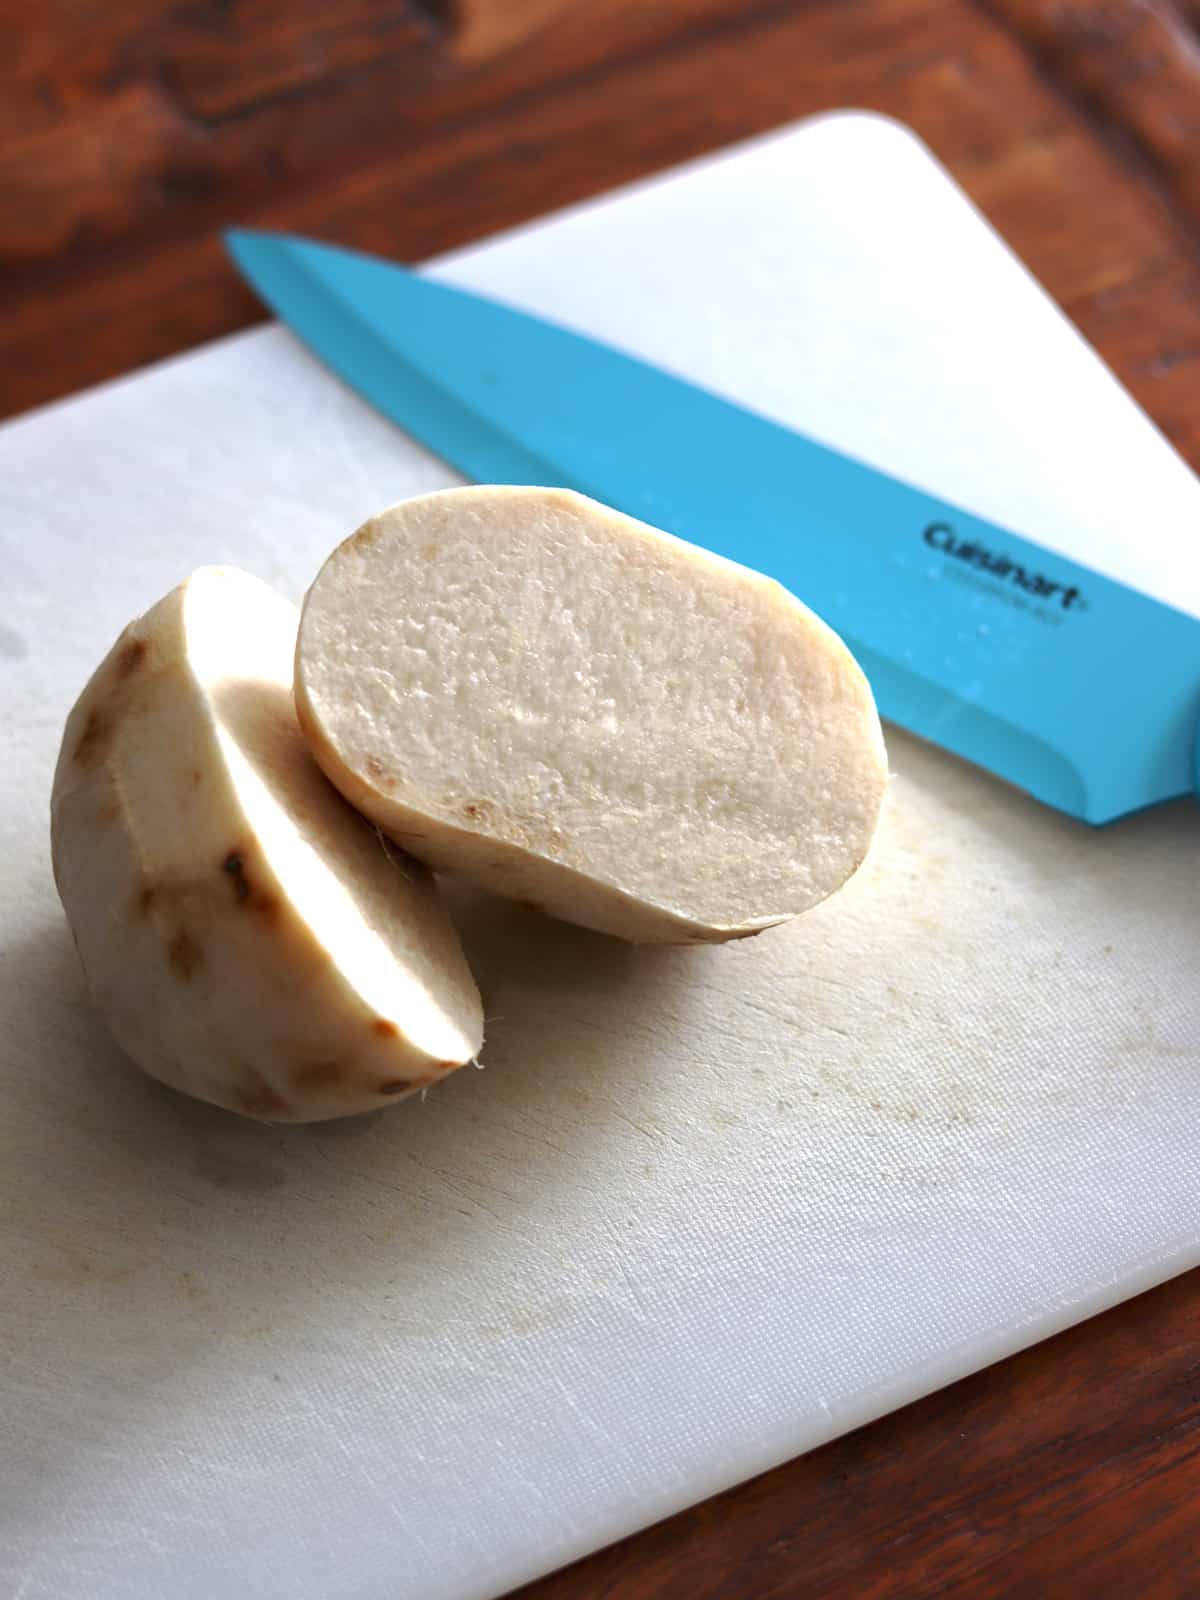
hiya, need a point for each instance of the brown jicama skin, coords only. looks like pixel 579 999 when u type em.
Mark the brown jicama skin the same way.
pixel 244 933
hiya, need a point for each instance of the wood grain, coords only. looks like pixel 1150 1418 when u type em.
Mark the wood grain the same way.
pixel 1134 70
pixel 141 140
pixel 481 29
pixel 130 134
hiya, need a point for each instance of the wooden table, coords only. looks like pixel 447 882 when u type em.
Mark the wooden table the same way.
pixel 130 132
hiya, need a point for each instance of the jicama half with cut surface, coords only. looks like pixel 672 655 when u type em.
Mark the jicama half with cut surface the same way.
pixel 579 711
pixel 245 933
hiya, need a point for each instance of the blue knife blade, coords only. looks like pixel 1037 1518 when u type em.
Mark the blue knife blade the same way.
pixel 1078 689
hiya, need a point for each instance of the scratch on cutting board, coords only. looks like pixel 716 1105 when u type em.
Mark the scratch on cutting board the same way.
pixel 409 1526
pixel 531 1121
pixel 654 1131
pixel 1022 1216
pixel 789 1018
pixel 635 1294
pixel 489 1187
pixel 655 1035
pixel 413 1197
pixel 655 1135
pixel 587 1423
pixel 797 1018
pixel 457 1184
pixel 840 1033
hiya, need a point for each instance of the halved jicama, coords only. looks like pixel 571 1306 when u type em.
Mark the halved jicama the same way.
pixel 246 935
pixel 579 711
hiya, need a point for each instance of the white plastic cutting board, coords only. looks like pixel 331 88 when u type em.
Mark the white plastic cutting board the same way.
pixel 704 1208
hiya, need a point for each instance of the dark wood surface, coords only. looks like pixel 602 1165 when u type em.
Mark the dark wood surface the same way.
pixel 130 132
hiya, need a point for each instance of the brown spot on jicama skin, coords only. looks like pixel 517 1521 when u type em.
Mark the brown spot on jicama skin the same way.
pixel 266 905
pixel 316 1074
pixel 397 1086
pixel 92 741
pixel 256 1097
pixel 109 812
pixel 383 1029
pixel 130 657
pixel 197 775
pixel 184 955
pixel 144 903
pixel 233 866
pixel 110 696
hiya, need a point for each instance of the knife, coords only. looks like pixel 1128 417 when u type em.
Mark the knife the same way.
pixel 1076 688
